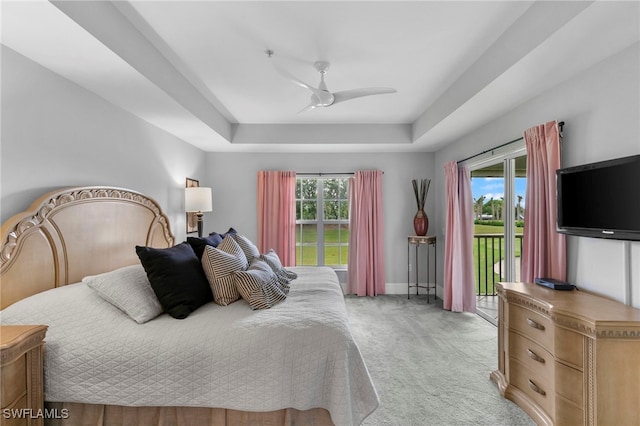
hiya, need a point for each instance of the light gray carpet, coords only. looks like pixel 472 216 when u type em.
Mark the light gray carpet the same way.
pixel 429 366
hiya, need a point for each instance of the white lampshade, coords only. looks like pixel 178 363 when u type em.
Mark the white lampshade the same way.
pixel 197 199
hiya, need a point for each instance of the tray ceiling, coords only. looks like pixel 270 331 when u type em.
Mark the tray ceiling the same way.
pixel 198 69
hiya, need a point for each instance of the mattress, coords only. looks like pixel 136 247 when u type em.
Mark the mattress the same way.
pixel 298 354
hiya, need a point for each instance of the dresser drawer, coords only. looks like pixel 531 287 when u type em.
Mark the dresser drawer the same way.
pixel 537 389
pixel 569 347
pixel 533 325
pixel 569 383
pixel 568 413
pixel 531 355
pixel 13 381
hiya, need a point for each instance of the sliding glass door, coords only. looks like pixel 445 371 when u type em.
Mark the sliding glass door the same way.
pixel 499 186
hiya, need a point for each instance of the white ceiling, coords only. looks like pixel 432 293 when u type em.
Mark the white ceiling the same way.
pixel 198 69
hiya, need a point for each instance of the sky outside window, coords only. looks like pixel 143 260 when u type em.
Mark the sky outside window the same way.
pixel 492 187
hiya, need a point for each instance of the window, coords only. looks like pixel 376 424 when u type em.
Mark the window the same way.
pixel 322 221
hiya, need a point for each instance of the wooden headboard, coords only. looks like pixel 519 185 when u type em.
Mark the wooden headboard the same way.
pixel 68 234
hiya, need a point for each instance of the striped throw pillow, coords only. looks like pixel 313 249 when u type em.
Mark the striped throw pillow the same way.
pixel 229 245
pixel 284 275
pixel 259 286
pixel 219 267
pixel 250 250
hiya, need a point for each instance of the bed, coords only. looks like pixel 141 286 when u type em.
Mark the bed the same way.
pixel 293 363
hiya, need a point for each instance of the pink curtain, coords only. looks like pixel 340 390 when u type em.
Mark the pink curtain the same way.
pixel 366 234
pixel 277 214
pixel 459 287
pixel 544 250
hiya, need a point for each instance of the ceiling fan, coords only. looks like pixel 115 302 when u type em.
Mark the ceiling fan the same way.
pixel 321 97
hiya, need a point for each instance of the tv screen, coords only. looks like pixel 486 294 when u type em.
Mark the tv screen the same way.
pixel 600 199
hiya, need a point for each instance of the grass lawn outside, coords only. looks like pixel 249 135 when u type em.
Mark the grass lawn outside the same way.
pixel 486 253
pixel 336 250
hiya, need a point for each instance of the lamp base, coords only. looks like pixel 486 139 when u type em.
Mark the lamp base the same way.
pixel 200 224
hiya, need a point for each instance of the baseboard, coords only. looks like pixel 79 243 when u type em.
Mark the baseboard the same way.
pixel 396 288
pixel 389 288
pixel 399 288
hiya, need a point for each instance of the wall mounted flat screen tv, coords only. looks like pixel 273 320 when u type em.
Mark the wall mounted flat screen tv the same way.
pixel 600 199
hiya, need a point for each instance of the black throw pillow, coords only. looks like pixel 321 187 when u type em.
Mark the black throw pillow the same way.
pixel 231 232
pixel 199 243
pixel 177 278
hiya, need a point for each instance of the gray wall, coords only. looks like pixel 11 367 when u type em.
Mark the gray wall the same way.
pixel 601 109
pixel 56 134
pixel 235 205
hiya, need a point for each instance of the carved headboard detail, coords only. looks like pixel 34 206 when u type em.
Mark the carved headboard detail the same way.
pixel 68 234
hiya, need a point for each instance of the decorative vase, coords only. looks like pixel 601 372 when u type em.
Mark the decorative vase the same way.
pixel 421 223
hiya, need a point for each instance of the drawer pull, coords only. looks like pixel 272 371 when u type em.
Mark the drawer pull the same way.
pixel 535 356
pixel 534 324
pixel 536 388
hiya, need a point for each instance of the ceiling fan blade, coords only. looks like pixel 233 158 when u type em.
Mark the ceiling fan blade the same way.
pixel 307 108
pixel 345 95
pixel 297 81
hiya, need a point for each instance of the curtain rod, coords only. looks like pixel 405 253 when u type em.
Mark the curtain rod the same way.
pixel 326 174
pixel 560 125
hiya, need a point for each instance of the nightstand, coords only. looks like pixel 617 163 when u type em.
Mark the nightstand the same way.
pixel 21 374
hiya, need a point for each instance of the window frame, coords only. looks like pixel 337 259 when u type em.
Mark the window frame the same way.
pixel 320 222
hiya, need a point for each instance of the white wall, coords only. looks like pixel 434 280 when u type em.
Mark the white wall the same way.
pixel 601 109
pixel 56 134
pixel 233 177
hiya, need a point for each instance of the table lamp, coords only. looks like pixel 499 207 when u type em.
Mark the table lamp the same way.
pixel 198 200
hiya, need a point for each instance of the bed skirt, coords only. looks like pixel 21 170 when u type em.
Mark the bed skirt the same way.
pixel 72 414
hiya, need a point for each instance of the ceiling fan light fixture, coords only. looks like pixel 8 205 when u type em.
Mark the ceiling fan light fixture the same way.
pixel 321 96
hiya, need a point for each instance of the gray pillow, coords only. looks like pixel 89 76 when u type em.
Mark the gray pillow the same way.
pixel 129 290
pixel 259 285
pixel 285 276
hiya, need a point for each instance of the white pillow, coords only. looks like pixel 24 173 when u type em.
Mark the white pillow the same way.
pixel 128 289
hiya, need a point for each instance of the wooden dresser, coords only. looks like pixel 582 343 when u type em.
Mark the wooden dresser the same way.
pixel 21 377
pixel 568 357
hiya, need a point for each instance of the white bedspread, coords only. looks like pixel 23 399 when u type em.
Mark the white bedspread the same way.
pixel 299 354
